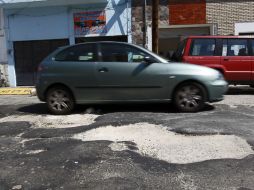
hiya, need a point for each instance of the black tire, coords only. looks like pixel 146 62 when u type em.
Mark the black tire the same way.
pixel 60 100
pixel 190 97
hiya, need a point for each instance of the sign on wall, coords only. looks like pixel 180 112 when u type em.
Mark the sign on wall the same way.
pixel 90 22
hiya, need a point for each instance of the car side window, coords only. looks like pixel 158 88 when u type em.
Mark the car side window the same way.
pixel 252 45
pixel 78 53
pixel 202 47
pixel 121 53
pixel 235 47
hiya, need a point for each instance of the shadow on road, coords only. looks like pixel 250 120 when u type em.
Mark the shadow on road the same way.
pixel 112 108
pixel 240 90
pixel 34 109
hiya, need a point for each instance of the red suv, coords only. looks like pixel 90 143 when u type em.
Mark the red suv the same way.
pixel 233 56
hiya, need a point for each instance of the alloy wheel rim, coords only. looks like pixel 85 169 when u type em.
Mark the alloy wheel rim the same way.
pixel 59 100
pixel 189 97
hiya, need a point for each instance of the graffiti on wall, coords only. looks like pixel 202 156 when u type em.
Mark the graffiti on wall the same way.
pixel 90 22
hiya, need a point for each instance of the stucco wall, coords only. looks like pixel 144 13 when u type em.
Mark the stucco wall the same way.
pixel 226 13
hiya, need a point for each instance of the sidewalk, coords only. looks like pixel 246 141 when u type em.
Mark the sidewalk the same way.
pixel 16 90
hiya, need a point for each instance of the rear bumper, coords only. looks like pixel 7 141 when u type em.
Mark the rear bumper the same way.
pixel 217 89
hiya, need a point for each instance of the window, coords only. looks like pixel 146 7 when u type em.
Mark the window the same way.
pixel 252 45
pixel 80 53
pixel 121 53
pixel 235 47
pixel 203 47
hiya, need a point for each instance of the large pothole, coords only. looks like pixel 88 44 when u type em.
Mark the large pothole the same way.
pixel 156 141
pixel 52 121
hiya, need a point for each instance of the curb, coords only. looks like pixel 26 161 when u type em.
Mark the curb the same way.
pixel 17 91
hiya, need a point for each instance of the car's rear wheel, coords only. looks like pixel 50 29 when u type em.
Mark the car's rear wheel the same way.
pixel 190 97
pixel 60 100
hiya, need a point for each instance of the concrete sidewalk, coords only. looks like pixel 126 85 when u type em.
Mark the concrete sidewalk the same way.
pixel 17 91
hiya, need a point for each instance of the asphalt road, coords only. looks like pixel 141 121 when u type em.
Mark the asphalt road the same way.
pixel 128 146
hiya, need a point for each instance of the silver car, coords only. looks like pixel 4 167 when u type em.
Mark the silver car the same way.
pixel 114 72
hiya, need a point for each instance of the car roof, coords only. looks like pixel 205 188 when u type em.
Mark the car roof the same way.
pixel 220 36
pixel 114 42
pixel 97 42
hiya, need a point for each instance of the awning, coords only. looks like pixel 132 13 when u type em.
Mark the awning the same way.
pixel 43 3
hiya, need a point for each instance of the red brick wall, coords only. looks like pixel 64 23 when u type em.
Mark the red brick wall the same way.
pixel 187 12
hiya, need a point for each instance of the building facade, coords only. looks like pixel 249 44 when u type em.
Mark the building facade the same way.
pixel 181 18
pixel 33 29
pixel 232 17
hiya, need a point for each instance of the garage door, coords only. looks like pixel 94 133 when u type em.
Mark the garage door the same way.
pixel 29 54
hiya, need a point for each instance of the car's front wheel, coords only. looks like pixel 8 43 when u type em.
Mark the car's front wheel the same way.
pixel 59 100
pixel 190 97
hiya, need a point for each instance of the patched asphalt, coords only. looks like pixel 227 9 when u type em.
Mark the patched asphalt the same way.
pixel 66 163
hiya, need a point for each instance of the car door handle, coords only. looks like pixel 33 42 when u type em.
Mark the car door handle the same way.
pixel 226 59
pixel 103 70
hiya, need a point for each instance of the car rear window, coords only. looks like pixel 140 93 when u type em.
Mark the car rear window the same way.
pixel 235 47
pixel 202 47
pixel 78 53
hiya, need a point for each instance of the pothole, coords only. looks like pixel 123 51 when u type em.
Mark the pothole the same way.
pixel 156 141
pixel 51 121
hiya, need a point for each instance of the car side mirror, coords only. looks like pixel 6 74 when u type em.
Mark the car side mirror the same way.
pixel 148 60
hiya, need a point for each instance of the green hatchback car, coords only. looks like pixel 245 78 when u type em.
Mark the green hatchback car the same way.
pixel 115 72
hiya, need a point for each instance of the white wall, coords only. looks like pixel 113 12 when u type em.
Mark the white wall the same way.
pixel 247 27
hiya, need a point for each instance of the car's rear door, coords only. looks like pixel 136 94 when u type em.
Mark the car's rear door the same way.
pixel 236 59
pixel 75 67
pixel 122 74
pixel 252 58
pixel 203 51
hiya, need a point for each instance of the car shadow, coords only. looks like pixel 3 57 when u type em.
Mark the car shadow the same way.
pixel 40 109
pixel 240 90
pixel 109 108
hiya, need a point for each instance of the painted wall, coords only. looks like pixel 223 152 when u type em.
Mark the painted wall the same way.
pixel 3 57
pixel 57 22
pixel 38 23
pixel 3 50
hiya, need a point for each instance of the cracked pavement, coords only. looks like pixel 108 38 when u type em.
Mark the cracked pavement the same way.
pixel 34 156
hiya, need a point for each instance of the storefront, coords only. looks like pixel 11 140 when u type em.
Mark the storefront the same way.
pixel 36 28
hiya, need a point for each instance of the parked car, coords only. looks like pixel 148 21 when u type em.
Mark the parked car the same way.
pixel 233 56
pixel 114 72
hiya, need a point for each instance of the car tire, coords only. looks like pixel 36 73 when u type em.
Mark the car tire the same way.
pixel 60 101
pixel 190 97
